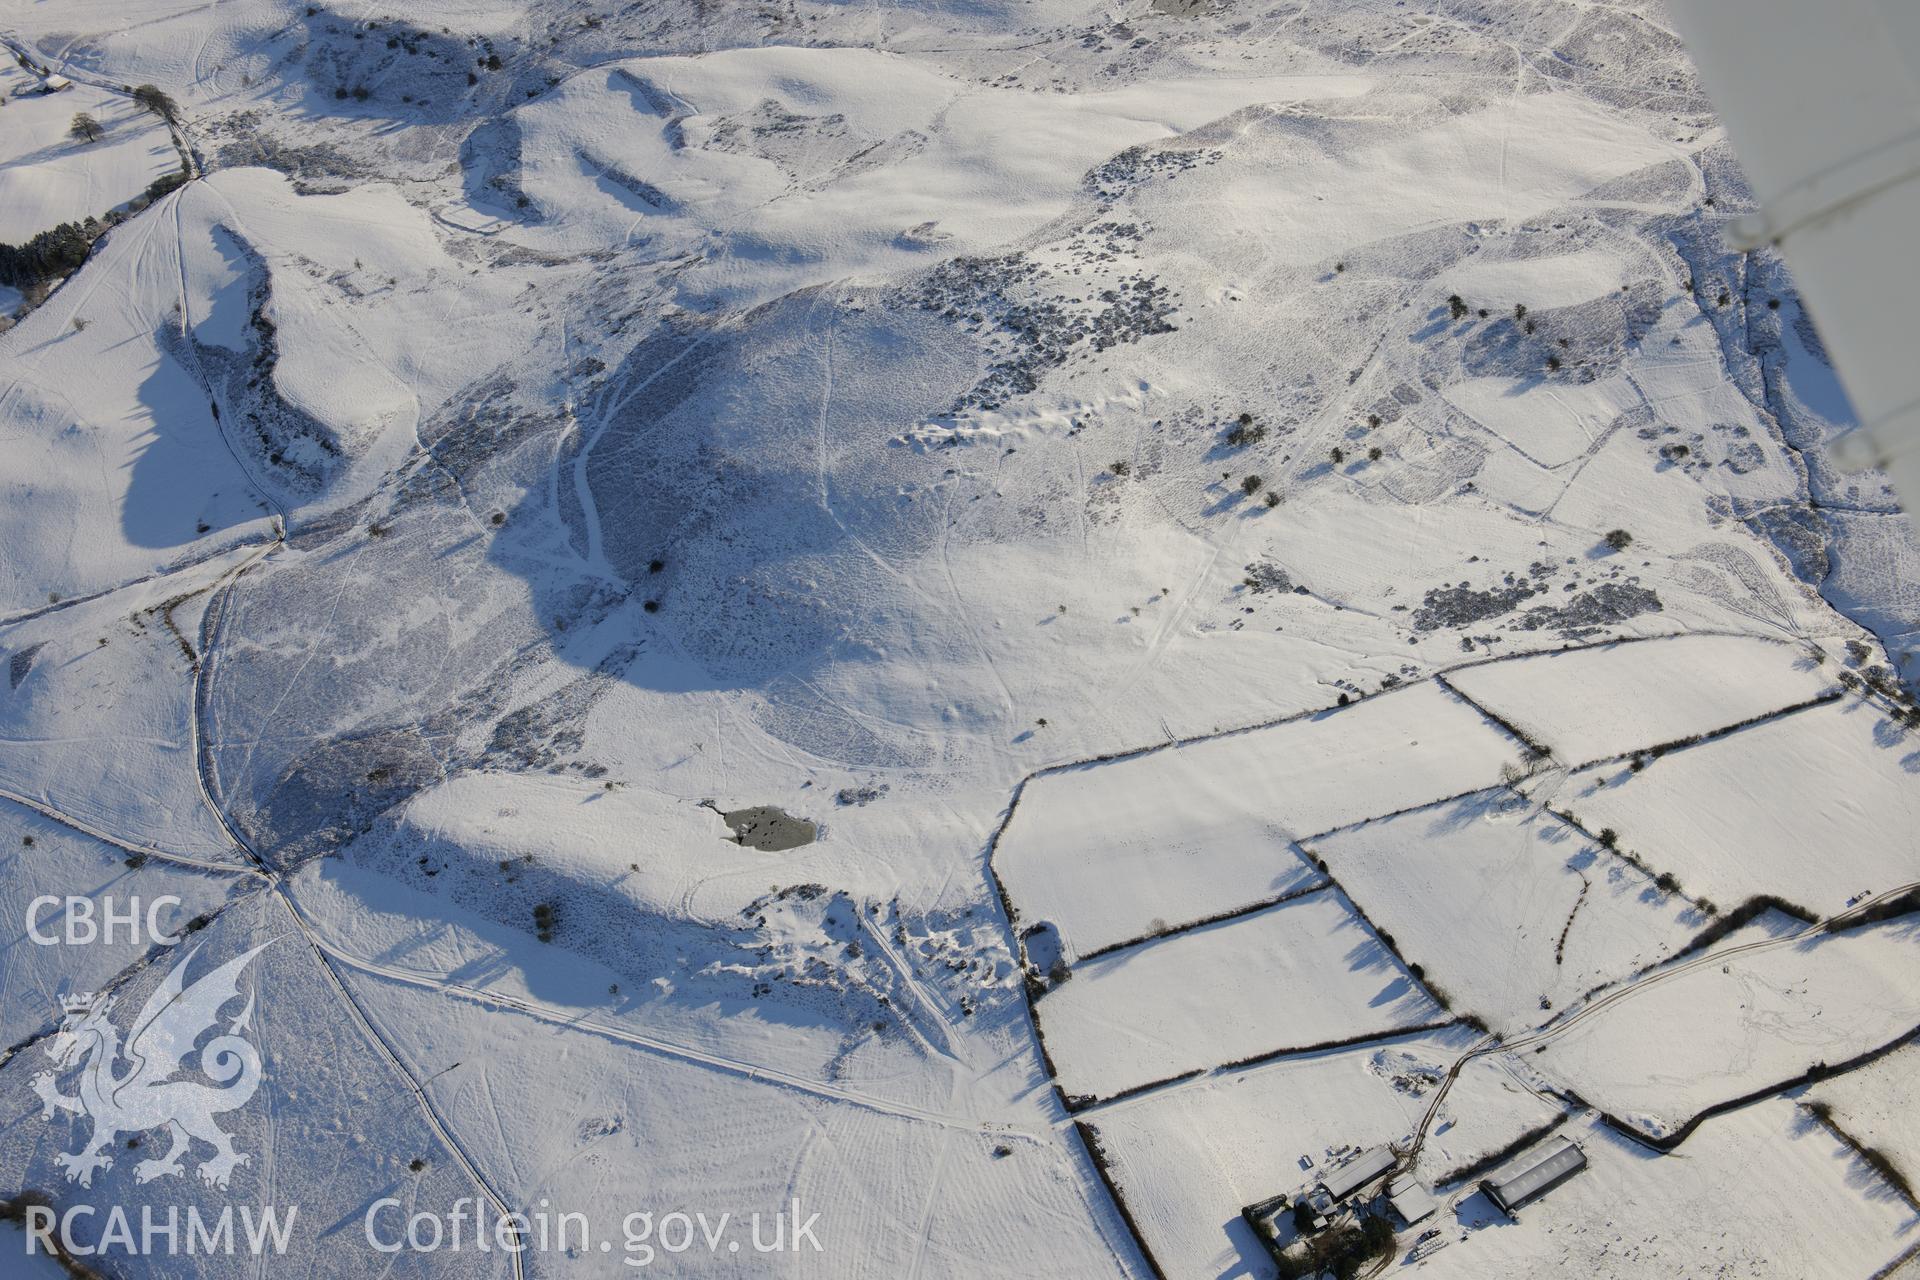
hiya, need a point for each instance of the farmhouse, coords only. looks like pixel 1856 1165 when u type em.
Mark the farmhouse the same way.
pixel 55 83
pixel 1562 1160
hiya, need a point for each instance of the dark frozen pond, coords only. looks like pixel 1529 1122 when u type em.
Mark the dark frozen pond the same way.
pixel 768 827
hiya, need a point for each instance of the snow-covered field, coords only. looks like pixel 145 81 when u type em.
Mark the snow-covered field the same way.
pixel 1875 1106
pixel 1568 916
pixel 1189 1158
pixel 98 723
pixel 1114 852
pixel 44 859
pixel 704 1137
pixel 1301 974
pixel 1761 1192
pixel 1593 704
pixel 1735 1024
pixel 48 176
pixel 1123 490
pixel 1818 807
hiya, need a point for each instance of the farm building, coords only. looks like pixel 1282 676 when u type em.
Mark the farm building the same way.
pixel 1562 1160
pixel 1357 1173
pixel 1410 1200
pixel 55 83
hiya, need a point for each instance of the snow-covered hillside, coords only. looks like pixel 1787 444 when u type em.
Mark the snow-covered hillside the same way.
pixel 1017 624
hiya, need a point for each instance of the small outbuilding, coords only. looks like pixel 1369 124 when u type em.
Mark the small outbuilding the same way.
pixel 55 83
pixel 1559 1161
pixel 1410 1200
pixel 1357 1173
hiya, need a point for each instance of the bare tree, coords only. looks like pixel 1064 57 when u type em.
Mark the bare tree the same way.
pixel 156 100
pixel 84 127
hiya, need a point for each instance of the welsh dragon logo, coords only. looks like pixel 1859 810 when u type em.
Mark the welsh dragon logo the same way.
pixel 147 1095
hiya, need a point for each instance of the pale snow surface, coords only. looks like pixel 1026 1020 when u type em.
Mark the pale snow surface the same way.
pixel 1111 472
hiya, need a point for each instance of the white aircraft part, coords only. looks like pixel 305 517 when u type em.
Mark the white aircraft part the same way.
pixel 1822 103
